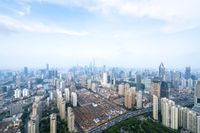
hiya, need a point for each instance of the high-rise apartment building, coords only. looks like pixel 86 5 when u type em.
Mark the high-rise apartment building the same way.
pixel 53 123
pixel 155 88
pixel 70 119
pixel 155 107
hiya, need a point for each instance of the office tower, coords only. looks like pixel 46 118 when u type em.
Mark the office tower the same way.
pixel 164 89
pixel 121 89
pixel 198 124
pixel 62 109
pixel 187 73
pixel 139 100
pixel 70 119
pixel 162 72
pixel 155 88
pixel 17 93
pixel 33 124
pixel 155 107
pixel 67 95
pixel 53 123
pixel 129 100
pixel 26 71
pixel 105 79
pixel 174 117
pixel 74 99
pixel 47 67
pixel 167 111
pixel 25 92
pixel 138 82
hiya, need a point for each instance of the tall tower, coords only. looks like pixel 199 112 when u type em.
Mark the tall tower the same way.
pixel 70 119
pixel 62 109
pixel 67 95
pixel 53 125
pixel 187 73
pixel 198 124
pixel 155 107
pixel 33 124
pixel 74 99
pixel 162 72
pixel 197 97
pixel 139 99
pixel 164 89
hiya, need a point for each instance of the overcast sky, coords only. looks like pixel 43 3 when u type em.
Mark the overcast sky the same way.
pixel 129 33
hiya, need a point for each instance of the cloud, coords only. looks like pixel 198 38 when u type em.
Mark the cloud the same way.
pixel 183 14
pixel 12 24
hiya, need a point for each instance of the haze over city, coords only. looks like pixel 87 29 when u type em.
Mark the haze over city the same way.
pixel 121 33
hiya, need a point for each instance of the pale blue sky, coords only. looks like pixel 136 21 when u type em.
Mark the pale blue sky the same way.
pixel 129 33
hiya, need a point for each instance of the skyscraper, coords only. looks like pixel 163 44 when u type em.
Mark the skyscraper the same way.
pixel 26 71
pixel 70 119
pixel 155 88
pixel 53 123
pixel 121 89
pixel 198 124
pixel 33 124
pixel 139 99
pixel 192 121
pixel 174 117
pixel 105 79
pixel 67 95
pixel 74 99
pixel 162 72
pixel 47 67
pixel 62 109
pixel 169 113
pixel 187 73
pixel 164 89
pixel 129 100
pixel 197 98
pixel 155 107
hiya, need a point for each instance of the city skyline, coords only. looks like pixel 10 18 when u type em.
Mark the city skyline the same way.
pixel 120 33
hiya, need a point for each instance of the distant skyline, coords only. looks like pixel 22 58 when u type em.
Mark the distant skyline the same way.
pixel 124 33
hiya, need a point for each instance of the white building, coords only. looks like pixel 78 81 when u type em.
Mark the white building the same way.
pixel 198 124
pixel 67 95
pixel 166 112
pixel 17 93
pixel 25 92
pixel 62 110
pixel 53 123
pixel 174 117
pixel 33 124
pixel 121 90
pixel 139 99
pixel 105 79
pixel 74 99
pixel 70 119
pixel 155 107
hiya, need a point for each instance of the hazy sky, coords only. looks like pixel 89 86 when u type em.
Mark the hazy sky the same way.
pixel 130 33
